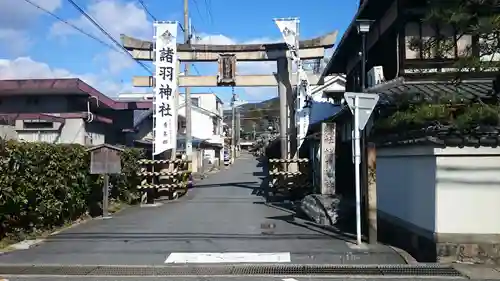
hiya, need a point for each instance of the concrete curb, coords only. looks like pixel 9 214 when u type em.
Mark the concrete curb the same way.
pixel 478 271
pixel 31 243
pixel 321 214
pixel 409 259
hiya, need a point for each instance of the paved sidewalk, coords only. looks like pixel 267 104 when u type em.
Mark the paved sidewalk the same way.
pixel 223 214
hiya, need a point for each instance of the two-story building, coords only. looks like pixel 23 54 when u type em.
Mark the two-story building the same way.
pixel 63 111
pixel 435 186
pixel 207 125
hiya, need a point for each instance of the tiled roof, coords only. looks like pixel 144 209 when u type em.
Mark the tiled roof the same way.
pixel 466 89
pixel 64 87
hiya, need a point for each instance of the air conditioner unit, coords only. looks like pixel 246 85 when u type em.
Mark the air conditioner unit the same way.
pixel 375 76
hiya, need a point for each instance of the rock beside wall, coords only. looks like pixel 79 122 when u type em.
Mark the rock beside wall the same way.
pixel 322 209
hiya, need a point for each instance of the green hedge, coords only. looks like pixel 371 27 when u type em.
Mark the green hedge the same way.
pixel 44 185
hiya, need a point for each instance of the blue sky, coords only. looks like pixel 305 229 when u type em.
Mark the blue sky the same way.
pixel 35 45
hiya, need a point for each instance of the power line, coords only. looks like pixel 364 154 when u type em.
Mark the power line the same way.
pixel 208 5
pixel 198 9
pixel 151 14
pixel 146 9
pixel 196 69
pixel 72 25
pixel 108 35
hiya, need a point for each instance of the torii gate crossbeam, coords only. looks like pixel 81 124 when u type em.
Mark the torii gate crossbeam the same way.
pixel 228 55
pixel 309 49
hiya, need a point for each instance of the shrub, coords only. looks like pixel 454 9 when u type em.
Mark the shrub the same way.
pixel 45 185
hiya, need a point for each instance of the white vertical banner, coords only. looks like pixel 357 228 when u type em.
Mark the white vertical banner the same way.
pixel 303 107
pixel 289 29
pixel 165 86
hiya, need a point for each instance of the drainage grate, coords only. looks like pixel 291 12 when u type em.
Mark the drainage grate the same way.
pixel 232 270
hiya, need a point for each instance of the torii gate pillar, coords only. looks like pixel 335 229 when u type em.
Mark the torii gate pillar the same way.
pixel 287 112
pixel 283 71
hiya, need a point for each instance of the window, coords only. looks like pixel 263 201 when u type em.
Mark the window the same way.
pixel 38 125
pixel 195 101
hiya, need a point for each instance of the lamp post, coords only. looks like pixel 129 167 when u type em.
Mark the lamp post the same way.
pixel 363 27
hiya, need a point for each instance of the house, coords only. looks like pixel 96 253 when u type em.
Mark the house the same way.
pixel 63 111
pixel 435 183
pixel 323 106
pixel 207 125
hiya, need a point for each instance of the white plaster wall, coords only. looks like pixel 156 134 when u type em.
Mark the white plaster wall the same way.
pixel 322 107
pixel 450 190
pixel 202 126
pixel 406 184
pixel 209 154
pixel 207 101
pixel 468 190
pixel 73 131
pixel 8 132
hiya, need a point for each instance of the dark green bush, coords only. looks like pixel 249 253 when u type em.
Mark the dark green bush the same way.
pixel 45 185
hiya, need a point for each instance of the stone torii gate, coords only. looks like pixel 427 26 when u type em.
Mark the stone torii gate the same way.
pixel 228 55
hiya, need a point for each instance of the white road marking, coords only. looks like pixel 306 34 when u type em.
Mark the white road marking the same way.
pixel 355 246
pixel 158 204
pixel 289 279
pixel 228 258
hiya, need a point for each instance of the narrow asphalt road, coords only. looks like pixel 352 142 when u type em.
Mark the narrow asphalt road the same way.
pixel 221 214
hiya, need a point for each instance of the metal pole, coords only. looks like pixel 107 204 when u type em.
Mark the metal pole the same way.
pixel 363 62
pixel 357 161
pixel 187 92
pixel 364 133
pixel 238 131
pixel 233 126
pixel 105 195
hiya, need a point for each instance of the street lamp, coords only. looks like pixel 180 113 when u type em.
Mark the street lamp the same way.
pixel 363 29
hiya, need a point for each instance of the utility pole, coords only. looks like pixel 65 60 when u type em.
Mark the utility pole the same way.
pixel 187 91
pixel 233 126
pixel 238 131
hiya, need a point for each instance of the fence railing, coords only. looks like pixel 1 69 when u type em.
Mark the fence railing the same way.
pixel 281 180
pixel 163 178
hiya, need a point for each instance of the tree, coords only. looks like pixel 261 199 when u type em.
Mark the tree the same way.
pixel 479 19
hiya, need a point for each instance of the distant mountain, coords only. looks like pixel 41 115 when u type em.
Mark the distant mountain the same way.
pixel 261 115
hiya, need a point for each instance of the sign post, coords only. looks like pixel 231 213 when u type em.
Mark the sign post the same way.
pixel 105 160
pixel 361 105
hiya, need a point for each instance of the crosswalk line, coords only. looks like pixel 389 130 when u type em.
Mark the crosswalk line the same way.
pixel 228 257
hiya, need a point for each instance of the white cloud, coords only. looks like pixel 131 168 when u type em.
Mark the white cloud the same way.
pixel 16 42
pixel 26 68
pixel 16 17
pixel 115 61
pixel 115 18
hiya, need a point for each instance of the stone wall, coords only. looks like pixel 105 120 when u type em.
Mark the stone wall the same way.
pixel 443 248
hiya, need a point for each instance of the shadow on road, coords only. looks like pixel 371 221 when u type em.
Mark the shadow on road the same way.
pixel 179 236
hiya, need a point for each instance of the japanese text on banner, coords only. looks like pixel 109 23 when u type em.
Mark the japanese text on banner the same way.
pixel 165 86
pixel 289 29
